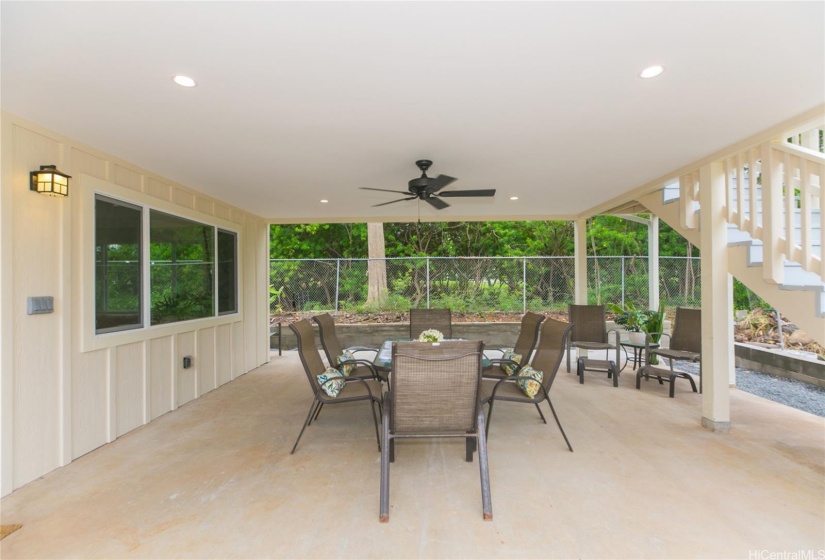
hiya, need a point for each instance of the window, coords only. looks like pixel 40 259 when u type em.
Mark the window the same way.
pixel 118 293
pixel 181 269
pixel 227 272
pixel 192 268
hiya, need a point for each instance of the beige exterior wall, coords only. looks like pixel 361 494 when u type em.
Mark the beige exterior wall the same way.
pixel 63 390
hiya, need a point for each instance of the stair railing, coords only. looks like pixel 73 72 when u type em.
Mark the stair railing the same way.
pixel 786 180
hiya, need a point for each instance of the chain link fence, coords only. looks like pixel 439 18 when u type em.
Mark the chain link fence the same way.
pixel 476 284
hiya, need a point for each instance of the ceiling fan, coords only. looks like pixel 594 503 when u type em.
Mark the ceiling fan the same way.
pixel 428 189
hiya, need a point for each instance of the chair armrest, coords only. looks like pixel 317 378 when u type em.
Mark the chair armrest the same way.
pixel 356 363
pixel 502 362
pixel 649 339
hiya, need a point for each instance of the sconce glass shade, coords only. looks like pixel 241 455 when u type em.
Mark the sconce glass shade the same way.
pixel 50 181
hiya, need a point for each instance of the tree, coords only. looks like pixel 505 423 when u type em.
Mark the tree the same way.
pixel 377 265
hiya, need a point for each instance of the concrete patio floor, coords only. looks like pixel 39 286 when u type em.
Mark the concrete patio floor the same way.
pixel 215 479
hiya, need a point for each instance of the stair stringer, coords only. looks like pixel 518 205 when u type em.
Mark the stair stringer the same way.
pixel 799 305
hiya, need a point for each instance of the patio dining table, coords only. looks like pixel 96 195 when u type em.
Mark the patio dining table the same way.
pixel 383 359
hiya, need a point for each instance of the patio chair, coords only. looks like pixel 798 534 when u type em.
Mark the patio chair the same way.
pixel 354 389
pixel 547 360
pixel 434 394
pixel 685 344
pixel 590 333
pixel 528 336
pixel 423 319
pixel 363 369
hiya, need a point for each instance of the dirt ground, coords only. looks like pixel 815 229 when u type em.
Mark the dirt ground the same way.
pixel 757 326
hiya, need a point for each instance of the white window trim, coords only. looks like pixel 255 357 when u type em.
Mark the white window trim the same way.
pixel 87 187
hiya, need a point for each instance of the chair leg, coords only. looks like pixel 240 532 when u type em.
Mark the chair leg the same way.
pixel 375 420
pixel 543 419
pixel 639 373
pixel 306 423
pixel 612 367
pixel 556 416
pixel 317 412
pixel 569 351
pixel 384 505
pixel 692 382
pixel 486 502
pixel 672 384
pixel 470 449
pixel 489 416
pixel 580 369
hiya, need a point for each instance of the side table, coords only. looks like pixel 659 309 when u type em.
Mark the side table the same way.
pixel 638 352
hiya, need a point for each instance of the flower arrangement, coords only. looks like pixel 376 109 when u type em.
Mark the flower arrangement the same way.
pixel 430 335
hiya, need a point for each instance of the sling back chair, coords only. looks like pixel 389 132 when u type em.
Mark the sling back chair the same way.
pixel 434 394
pixel 424 319
pixel 354 389
pixel 528 336
pixel 590 333
pixel 547 360
pixel 336 356
pixel 685 344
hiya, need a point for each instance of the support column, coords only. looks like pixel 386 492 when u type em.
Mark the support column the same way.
pixel 717 306
pixel 653 262
pixel 580 258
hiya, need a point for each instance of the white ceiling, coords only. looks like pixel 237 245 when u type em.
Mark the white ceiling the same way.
pixel 299 101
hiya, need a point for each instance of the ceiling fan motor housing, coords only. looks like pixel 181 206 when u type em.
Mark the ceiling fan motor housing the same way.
pixel 419 184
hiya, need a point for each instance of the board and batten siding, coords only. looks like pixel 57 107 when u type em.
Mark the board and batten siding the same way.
pixel 64 391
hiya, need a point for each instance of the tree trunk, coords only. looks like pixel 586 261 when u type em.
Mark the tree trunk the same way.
pixel 377 265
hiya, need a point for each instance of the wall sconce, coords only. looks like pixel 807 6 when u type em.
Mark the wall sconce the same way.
pixel 50 181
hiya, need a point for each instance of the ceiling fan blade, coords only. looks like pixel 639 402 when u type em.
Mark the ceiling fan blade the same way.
pixel 394 201
pixel 383 190
pixel 436 203
pixel 478 192
pixel 440 182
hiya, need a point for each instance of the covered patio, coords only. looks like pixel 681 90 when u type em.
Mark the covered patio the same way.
pixel 214 478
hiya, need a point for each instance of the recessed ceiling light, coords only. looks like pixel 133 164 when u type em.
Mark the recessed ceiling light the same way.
pixel 324 201
pixel 652 71
pixel 513 198
pixel 184 81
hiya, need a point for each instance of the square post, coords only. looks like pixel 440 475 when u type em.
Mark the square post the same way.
pixel 580 259
pixel 717 345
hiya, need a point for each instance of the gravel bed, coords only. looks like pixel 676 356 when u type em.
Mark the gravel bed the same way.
pixel 790 392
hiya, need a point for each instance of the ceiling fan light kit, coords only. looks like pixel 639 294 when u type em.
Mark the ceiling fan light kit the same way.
pixel 428 189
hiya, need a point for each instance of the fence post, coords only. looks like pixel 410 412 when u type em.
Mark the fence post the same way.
pixel 337 281
pixel 622 264
pixel 428 282
pixel 523 285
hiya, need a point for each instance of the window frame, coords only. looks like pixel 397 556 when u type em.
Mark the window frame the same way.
pixel 235 305
pixel 88 188
pixel 141 317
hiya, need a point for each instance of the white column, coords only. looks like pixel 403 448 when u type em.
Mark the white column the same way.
pixel 717 307
pixel 580 258
pixel 653 261
pixel 732 357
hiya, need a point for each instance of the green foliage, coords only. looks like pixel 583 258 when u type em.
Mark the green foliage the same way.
pixel 637 319
pixel 276 304
pixel 744 298
pixel 169 307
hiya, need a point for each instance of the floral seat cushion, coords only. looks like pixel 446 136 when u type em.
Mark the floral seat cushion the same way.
pixel 529 381
pixel 331 381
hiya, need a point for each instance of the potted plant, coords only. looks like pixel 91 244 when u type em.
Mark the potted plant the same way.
pixel 632 319
pixel 639 322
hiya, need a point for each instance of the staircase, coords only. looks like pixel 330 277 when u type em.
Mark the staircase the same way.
pixel 774 203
